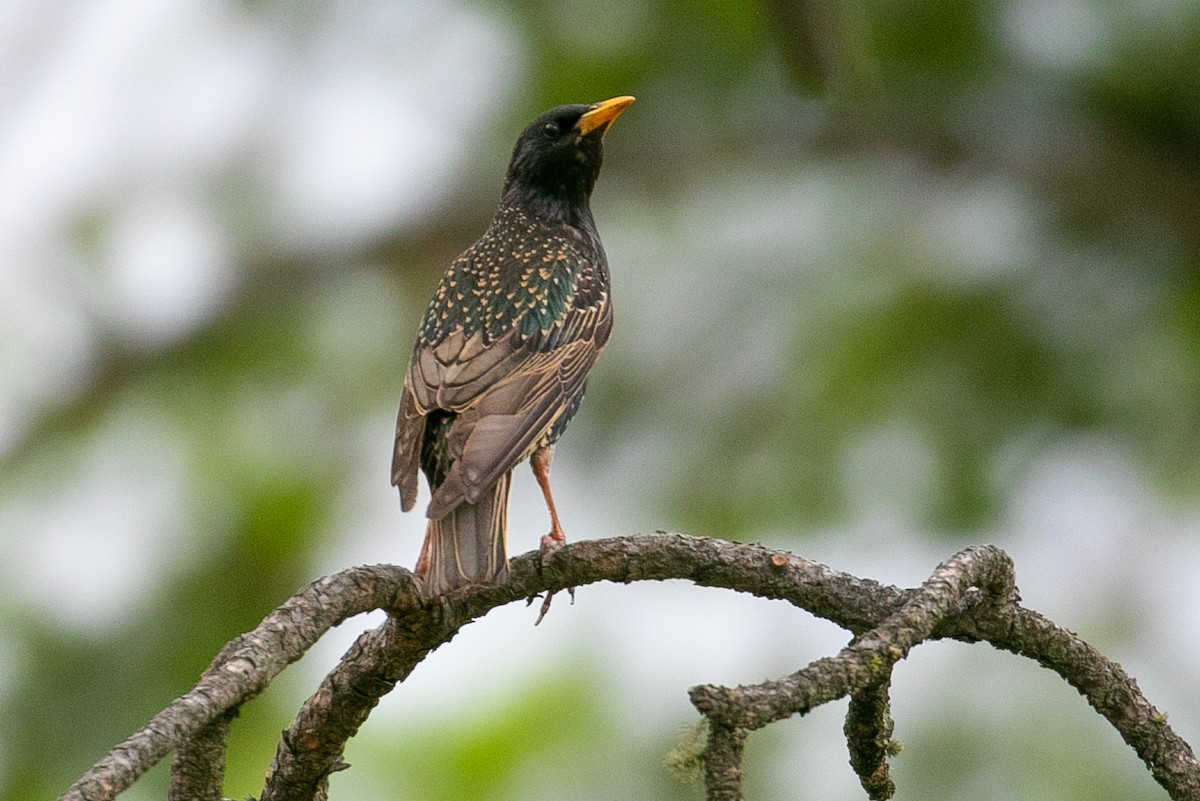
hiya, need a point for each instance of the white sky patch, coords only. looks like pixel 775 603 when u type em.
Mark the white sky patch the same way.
pixel 86 555
pixel 377 136
pixel 53 147
pixel 983 229
pixel 166 269
pixel 350 161
pixel 891 470
pixel 1067 35
pixel 46 342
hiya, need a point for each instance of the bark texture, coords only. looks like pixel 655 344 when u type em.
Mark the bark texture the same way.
pixel 972 597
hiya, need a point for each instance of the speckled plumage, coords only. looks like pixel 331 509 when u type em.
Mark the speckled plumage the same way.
pixel 503 351
pixel 523 273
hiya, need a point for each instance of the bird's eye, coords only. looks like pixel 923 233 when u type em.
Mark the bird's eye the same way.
pixel 551 130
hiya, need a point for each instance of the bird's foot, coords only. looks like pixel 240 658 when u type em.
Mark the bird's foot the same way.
pixel 546 599
pixel 549 544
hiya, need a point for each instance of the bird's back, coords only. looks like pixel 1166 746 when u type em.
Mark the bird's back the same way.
pixel 523 276
pixel 513 328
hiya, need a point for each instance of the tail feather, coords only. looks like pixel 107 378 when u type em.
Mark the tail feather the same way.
pixel 467 546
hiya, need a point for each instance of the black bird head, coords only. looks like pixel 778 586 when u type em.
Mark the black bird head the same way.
pixel 557 159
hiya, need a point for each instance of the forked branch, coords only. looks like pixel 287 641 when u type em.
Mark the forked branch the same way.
pixel 970 597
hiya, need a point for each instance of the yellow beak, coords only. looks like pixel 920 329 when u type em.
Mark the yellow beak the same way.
pixel 602 114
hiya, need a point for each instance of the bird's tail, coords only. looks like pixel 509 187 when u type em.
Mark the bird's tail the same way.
pixel 467 546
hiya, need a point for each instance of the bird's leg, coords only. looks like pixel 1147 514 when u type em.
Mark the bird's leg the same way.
pixel 540 462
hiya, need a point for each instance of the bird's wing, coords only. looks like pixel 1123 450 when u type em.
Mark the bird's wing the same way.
pixel 506 394
pixel 406 455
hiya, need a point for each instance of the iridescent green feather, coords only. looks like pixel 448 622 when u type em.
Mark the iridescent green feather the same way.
pixel 524 277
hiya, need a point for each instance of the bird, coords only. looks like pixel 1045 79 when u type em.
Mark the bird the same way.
pixel 504 349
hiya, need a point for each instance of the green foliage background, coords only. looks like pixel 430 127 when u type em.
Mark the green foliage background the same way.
pixel 891 279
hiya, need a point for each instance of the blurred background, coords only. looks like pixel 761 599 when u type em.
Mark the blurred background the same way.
pixel 891 279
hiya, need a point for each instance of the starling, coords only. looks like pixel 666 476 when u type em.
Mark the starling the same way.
pixel 502 355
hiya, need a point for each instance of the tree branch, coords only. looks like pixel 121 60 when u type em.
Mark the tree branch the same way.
pixel 198 770
pixel 970 597
pixel 1105 685
pixel 869 737
pixel 243 668
pixel 723 762
pixel 869 659
pixel 867 662
pixel 311 748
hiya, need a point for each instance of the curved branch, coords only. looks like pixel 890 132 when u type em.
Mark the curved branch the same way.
pixel 243 668
pixel 869 659
pixel 312 746
pixel 1105 685
pixel 864 666
pixel 887 620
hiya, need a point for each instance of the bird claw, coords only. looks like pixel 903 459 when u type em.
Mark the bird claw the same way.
pixel 545 608
pixel 549 544
pixel 546 603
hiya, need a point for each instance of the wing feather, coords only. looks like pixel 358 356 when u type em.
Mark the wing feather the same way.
pixel 406 457
pixel 506 420
pixel 501 389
